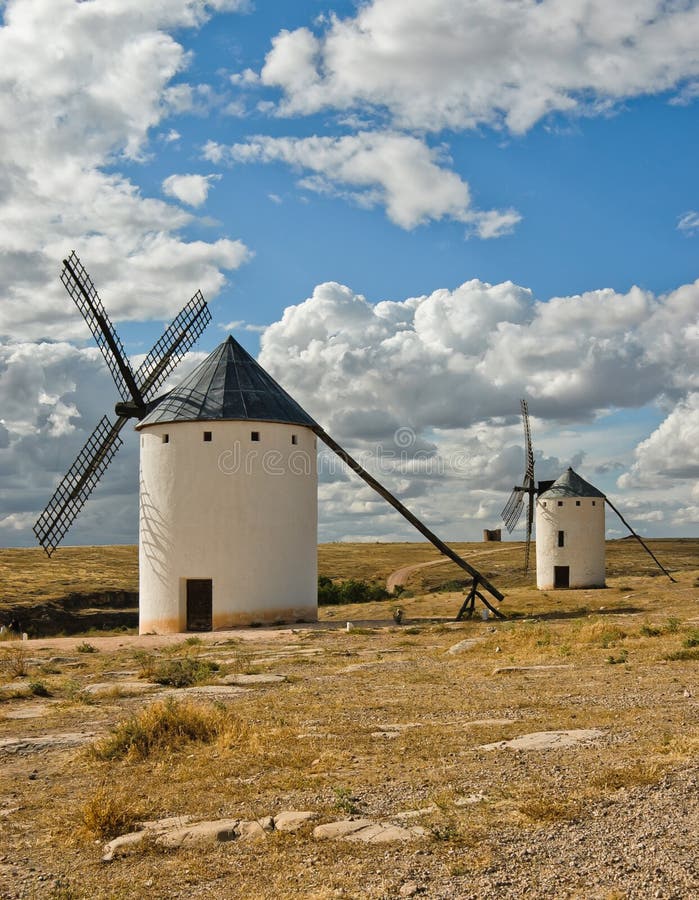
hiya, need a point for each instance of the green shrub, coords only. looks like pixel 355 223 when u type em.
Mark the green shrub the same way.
pixel 352 590
pixel 650 630
pixel 689 653
pixel 183 672
pixel 692 639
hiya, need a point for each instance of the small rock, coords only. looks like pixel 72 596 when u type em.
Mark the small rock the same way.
pixel 461 646
pixel 202 833
pixel 292 820
pixel 123 842
pixel 409 889
pixel 253 830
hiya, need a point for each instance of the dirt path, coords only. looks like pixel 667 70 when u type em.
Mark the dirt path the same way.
pixel 400 576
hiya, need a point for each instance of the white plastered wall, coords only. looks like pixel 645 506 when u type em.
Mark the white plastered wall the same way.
pixel 242 513
pixel 582 522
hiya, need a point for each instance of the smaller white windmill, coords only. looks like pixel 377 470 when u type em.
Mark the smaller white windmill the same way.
pixel 570 525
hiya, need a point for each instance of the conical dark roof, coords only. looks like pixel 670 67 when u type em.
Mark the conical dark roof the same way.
pixel 229 384
pixel 570 484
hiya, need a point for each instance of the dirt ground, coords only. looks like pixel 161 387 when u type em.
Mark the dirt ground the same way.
pixel 401 725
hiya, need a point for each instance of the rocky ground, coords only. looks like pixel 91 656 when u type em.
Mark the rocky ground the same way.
pixel 550 755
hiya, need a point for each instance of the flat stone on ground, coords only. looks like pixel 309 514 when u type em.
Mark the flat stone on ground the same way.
pixel 35 711
pixel 547 740
pixel 252 679
pixel 27 745
pixel 105 688
pixel 503 670
pixel 366 831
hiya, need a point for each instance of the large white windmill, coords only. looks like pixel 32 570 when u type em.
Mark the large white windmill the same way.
pixel 228 488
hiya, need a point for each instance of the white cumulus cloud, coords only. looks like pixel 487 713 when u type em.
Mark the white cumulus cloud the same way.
pixel 453 358
pixel 672 450
pixel 82 87
pixel 397 171
pixel 461 63
pixel 190 189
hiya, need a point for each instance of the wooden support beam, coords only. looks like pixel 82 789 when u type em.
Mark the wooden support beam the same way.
pixel 478 579
pixel 641 542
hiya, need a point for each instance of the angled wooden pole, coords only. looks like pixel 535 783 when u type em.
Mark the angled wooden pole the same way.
pixel 641 542
pixel 478 579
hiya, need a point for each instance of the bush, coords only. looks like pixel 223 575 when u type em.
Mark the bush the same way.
pixel 352 590
pixel 692 639
pixel 107 814
pixel 15 660
pixel 165 725
pixel 183 672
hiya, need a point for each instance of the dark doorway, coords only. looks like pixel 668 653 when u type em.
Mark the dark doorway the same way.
pixel 561 576
pixel 199 604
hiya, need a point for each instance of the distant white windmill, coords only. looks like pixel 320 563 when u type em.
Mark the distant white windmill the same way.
pixel 570 525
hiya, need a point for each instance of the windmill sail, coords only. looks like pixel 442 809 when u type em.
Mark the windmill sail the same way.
pixel 92 461
pixel 167 352
pixel 513 508
pixel 529 485
pixel 83 293
pixel 78 483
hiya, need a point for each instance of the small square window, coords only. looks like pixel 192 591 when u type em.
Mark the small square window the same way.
pixel 166 439
pixel 577 503
pixel 560 503
pixel 594 503
pixel 254 435
pixel 207 436
pixel 543 503
pixel 294 439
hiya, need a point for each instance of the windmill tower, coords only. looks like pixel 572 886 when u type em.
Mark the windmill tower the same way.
pixel 228 502
pixel 570 548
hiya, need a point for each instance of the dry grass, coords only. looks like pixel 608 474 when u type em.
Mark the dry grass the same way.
pixel 110 812
pixel 318 741
pixel 166 726
pixel 14 659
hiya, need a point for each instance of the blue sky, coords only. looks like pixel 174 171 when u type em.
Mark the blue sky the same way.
pixel 518 178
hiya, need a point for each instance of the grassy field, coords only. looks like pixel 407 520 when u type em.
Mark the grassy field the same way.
pixel 381 721
pixel 83 588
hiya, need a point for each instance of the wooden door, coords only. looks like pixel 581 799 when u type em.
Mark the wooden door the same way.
pixel 199 604
pixel 561 576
